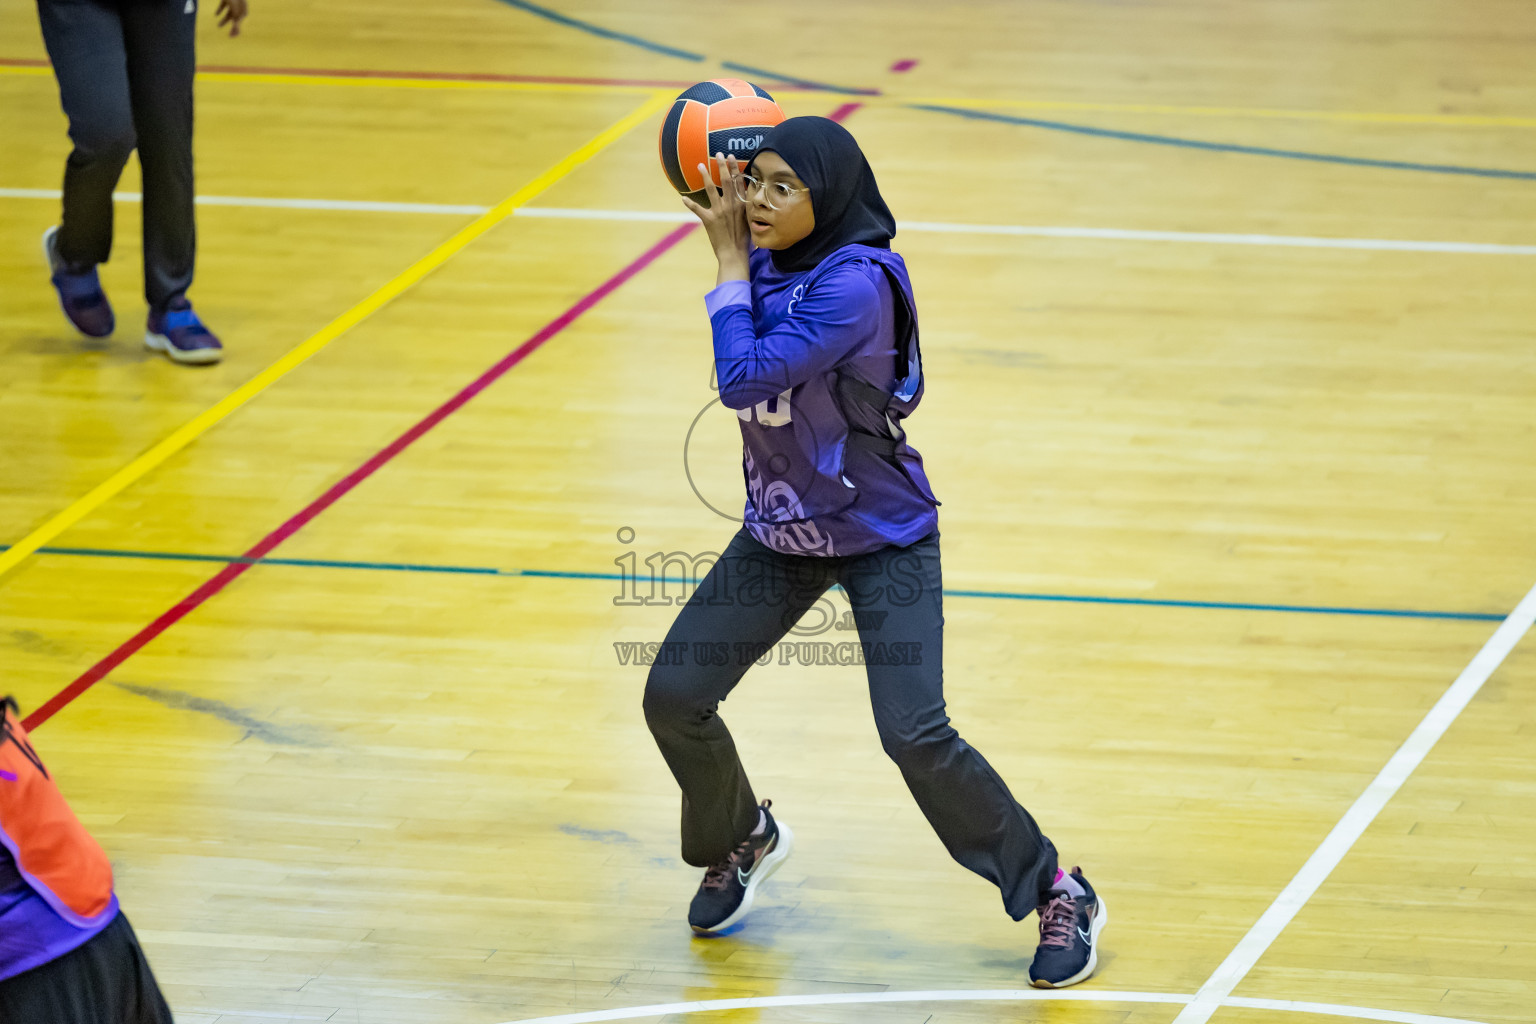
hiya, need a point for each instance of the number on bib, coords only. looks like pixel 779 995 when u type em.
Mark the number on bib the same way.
pixel 778 417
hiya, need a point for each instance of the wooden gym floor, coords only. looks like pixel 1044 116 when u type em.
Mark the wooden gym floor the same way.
pixel 1228 318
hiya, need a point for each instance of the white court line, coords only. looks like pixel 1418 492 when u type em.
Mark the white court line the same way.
pixel 335 204
pixel 1217 990
pixel 1218 987
pixel 918 226
pixel 1099 234
pixel 1209 238
pixel 981 995
pixel 1360 815
pixel 1334 1010
pixel 355 205
pixel 845 998
pixel 666 217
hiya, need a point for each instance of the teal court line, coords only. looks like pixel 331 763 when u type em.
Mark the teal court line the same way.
pixel 559 574
pixel 1223 147
pixel 1143 138
pixel 672 51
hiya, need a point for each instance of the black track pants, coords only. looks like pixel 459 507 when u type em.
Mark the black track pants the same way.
pixel 125 79
pixel 745 605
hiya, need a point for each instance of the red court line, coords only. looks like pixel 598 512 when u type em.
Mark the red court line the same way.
pixel 428 76
pixel 439 76
pixel 264 547
pixel 232 572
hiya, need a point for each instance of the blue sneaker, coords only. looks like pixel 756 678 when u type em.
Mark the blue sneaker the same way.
pixel 178 333
pixel 80 292
pixel 727 891
pixel 1069 936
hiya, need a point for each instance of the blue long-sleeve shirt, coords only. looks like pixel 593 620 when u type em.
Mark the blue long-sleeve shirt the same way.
pixel 780 344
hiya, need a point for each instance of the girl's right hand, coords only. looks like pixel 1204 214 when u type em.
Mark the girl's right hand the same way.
pixel 724 219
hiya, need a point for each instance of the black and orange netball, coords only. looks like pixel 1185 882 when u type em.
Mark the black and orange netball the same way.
pixel 725 115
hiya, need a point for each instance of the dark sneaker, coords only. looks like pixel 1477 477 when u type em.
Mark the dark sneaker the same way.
pixel 79 291
pixel 725 895
pixel 1069 936
pixel 178 333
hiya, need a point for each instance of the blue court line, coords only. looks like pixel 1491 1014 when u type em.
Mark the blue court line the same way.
pixel 302 563
pixel 1224 147
pixel 672 51
pixel 606 33
pixel 731 65
pixel 1059 126
pixel 1305 609
pixel 473 570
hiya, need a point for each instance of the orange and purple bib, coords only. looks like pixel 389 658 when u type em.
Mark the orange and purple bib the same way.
pixel 55 880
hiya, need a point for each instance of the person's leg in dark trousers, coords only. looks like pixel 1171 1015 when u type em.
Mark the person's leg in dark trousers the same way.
pixel 85 43
pixel 105 981
pixel 897 600
pixel 747 601
pixel 159 38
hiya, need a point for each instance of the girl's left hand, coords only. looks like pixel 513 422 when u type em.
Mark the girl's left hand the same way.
pixel 724 219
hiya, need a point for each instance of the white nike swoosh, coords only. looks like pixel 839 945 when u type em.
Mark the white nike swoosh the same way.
pixel 1087 939
pixel 742 878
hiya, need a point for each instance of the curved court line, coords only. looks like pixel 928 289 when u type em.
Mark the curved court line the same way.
pixel 672 51
pixel 983 995
pixel 796 80
pixel 863 998
pixel 205 420
pixel 571 574
pixel 1223 147
pixel 1343 836
pixel 605 33
pixel 1337 1010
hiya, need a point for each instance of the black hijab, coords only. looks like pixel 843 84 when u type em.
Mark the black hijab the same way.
pixel 844 197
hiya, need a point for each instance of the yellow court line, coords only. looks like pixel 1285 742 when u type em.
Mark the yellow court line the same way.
pixel 199 425
pixel 1377 117
pixel 386 82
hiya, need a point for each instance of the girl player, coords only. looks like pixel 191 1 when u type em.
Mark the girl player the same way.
pixel 67 953
pixel 815 338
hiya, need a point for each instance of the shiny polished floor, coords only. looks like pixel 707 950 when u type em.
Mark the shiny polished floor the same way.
pixel 1228 327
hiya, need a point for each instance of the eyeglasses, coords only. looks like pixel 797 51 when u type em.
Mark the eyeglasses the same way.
pixel 776 192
